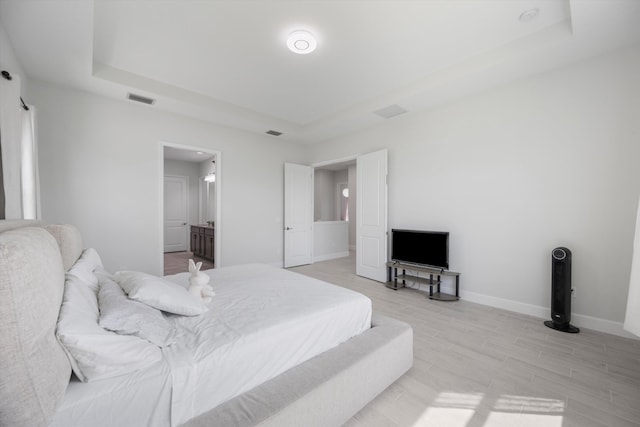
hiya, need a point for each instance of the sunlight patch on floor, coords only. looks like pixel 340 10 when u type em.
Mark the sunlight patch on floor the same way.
pixel 458 409
pixel 451 410
pixel 450 417
pixel 529 404
pixel 505 419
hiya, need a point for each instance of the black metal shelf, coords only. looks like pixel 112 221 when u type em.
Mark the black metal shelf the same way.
pixel 432 281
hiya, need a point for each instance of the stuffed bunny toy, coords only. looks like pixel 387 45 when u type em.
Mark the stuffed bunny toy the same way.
pixel 199 282
pixel 197 277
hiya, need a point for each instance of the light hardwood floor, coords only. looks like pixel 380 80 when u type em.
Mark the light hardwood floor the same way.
pixel 476 365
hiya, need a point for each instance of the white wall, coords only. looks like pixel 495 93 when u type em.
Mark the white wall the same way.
pixel 101 169
pixel 330 240
pixel 324 195
pixel 512 173
pixel 339 177
pixel 9 61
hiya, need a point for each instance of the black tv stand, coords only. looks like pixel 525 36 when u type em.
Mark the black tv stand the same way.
pixel 432 280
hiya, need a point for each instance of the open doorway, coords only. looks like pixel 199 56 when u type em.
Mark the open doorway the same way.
pixel 371 214
pixel 191 207
pixel 335 210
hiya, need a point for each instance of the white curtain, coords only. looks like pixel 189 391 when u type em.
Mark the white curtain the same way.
pixel 632 318
pixel 19 153
pixel 29 171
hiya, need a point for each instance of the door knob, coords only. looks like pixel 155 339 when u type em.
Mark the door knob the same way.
pixel 287 228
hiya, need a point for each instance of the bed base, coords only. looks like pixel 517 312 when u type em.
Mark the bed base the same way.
pixel 328 389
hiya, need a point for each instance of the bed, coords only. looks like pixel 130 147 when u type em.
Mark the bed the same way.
pixel 272 348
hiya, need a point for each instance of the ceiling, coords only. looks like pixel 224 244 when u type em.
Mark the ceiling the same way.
pixel 227 62
pixel 186 155
pixel 337 166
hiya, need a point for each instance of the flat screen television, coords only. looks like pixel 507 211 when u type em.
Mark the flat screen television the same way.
pixel 428 248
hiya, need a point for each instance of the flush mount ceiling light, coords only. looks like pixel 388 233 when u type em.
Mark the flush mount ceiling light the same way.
pixel 529 15
pixel 301 42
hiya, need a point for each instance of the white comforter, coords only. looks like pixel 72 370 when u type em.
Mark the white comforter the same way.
pixel 262 322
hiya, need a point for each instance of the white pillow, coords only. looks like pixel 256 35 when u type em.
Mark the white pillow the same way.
pixel 126 316
pixel 159 293
pixel 85 266
pixel 94 352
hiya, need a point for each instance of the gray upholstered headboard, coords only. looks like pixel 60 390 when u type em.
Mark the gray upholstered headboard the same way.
pixel 35 369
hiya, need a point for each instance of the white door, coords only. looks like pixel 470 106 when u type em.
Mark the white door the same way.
pixel 175 213
pixel 371 213
pixel 298 214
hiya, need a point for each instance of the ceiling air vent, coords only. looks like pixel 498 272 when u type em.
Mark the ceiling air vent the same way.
pixel 273 132
pixel 390 111
pixel 140 98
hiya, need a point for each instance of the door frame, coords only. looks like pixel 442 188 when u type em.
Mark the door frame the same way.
pixel 219 188
pixel 335 161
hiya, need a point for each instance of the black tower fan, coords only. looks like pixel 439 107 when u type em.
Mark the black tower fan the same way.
pixel 561 291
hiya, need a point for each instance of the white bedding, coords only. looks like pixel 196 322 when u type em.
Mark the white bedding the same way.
pixel 262 321
pixel 141 398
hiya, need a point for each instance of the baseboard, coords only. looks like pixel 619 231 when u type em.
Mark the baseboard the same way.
pixel 601 325
pixel 330 256
pixel 544 313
